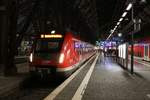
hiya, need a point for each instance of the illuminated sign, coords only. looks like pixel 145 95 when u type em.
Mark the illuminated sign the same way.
pixel 51 36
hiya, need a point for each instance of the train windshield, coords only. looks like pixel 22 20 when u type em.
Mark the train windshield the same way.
pixel 44 45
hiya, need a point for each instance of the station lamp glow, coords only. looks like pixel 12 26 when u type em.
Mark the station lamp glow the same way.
pixel 111 31
pixel 124 14
pixel 143 1
pixel 129 7
pixel 119 34
pixel 118 23
pixel 53 32
pixel 120 19
pixel 17 35
pixel 115 27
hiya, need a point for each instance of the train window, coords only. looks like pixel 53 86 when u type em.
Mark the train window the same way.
pixel 146 50
pixel 52 45
pixel 47 45
pixel 76 44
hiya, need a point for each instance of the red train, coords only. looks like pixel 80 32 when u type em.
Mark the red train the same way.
pixel 58 54
pixel 142 49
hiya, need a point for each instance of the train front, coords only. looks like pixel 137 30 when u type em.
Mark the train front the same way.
pixel 45 55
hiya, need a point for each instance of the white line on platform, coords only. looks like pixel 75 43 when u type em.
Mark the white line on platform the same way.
pixel 142 63
pixel 81 89
pixel 54 93
pixel 148 95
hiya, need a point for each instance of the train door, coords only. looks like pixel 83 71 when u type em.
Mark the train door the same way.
pixel 146 52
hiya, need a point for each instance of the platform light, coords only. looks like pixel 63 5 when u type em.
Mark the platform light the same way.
pixel 53 32
pixel 119 34
pixel 120 19
pixel 17 35
pixel 129 7
pixel 110 35
pixel 111 31
pixel 143 1
pixel 115 28
pixel 124 14
pixel 118 23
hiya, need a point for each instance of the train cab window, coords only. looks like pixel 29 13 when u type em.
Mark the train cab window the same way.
pixel 53 45
pixel 47 45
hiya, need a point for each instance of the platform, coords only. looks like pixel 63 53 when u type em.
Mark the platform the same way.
pixel 108 81
pixel 141 68
pixel 10 84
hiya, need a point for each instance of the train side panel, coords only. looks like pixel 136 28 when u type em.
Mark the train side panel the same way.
pixel 139 50
pixel 71 58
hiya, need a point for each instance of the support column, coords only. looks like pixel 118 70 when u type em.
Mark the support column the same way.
pixel 7 36
pixel 10 69
pixel 3 35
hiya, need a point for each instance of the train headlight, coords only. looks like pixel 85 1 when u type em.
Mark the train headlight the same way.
pixel 31 57
pixel 61 58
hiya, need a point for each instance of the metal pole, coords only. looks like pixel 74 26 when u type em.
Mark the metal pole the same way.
pixel 132 44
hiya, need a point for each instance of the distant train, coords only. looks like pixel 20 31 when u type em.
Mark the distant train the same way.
pixel 141 50
pixel 58 54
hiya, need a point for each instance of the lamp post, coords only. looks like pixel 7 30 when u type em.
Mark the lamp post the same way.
pixel 137 27
pixel 131 6
pixel 132 43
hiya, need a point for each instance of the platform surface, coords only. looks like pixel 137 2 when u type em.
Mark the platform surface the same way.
pixel 110 82
pixel 10 83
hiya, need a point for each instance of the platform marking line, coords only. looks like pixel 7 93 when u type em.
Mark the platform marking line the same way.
pixel 140 62
pixel 81 89
pixel 54 93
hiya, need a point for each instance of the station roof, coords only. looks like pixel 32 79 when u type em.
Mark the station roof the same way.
pixel 91 19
